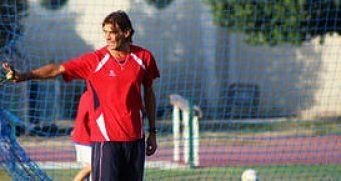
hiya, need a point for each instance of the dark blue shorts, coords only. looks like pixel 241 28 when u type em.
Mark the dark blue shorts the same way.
pixel 113 160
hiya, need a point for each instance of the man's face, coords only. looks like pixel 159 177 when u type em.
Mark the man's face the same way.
pixel 115 37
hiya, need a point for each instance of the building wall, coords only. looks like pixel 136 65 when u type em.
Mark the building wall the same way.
pixel 293 80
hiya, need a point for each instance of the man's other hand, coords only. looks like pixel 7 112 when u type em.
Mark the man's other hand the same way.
pixel 151 144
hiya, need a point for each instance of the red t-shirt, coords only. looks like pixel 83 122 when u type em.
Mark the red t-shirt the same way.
pixel 115 88
pixel 81 130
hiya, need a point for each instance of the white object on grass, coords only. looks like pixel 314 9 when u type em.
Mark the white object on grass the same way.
pixel 249 175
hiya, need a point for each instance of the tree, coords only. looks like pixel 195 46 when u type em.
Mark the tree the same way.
pixel 11 12
pixel 279 21
pixel 53 4
pixel 159 4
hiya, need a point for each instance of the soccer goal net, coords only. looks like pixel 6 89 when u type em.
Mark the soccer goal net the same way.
pixel 249 84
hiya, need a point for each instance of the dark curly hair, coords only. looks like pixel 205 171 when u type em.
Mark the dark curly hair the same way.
pixel 121 19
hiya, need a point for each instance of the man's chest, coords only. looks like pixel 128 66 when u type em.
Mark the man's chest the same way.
pixel 116 76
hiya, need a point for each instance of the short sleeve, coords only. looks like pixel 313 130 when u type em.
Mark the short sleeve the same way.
pixel 152 71
pixel 78 68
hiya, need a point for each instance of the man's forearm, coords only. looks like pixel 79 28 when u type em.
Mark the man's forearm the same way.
pixel 150 103
pixel 44 72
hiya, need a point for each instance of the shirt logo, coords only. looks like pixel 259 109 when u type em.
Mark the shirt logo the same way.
pixel 112 73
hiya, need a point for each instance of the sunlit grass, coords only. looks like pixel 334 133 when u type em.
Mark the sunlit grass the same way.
pixel 283 172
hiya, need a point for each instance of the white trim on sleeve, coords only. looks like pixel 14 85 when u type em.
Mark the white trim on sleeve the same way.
pixel 102 62
pixel 138 60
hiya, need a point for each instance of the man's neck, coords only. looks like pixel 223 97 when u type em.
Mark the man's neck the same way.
pixel 121 52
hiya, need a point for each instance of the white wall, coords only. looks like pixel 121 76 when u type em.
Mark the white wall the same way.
pixel 293 80
pixel 57 35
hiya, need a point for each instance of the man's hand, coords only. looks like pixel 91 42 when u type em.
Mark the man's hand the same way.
pixel 151 144
pixel 10 73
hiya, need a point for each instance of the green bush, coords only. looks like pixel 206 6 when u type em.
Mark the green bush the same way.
pixel 280 21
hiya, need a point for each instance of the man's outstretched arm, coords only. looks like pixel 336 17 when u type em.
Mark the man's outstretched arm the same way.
pixel 45 72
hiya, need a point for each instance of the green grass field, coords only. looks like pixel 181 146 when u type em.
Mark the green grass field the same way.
pixel 294 172
pixel 237 134
pixel 273 173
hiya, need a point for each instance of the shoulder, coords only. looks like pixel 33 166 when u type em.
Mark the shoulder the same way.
pixel 140 50
pixel 87 60
pixel 94 57
pixel 100 53
pixel 91 56
pixel 142 53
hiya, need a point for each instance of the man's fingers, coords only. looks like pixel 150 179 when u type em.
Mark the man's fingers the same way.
pixel 150 150
pixel 8 71
pixel 6 67
pixel 151 145
pixel 9 75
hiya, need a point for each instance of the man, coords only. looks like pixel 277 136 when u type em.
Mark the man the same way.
pixel 115 74
pixel 81 137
